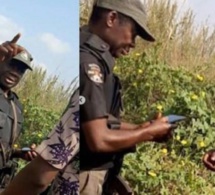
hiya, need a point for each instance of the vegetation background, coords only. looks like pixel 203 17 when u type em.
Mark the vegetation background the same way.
pixel 44 99
pixel 174 75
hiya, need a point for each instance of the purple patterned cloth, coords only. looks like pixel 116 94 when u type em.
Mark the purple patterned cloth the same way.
pixel 61 150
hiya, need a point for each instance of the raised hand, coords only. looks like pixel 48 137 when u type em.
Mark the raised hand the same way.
pixel 9 49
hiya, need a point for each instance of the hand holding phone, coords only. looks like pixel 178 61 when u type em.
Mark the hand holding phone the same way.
pixel 175 118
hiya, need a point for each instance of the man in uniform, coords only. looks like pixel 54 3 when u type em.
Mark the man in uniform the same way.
pixel 14 61
pixel 57 156
pixel 111 33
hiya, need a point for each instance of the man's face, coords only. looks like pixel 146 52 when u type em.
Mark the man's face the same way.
pixel 11 73
pixel 121 38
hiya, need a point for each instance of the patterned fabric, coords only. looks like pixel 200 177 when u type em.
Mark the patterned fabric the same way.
pixel 61 150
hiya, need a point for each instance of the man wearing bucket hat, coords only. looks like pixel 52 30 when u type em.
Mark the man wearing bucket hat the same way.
pixel 14 61
pixel 110 34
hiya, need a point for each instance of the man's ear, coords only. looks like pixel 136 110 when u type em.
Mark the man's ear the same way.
pixel 112 18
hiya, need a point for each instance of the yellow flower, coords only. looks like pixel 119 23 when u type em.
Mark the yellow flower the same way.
pixel 25 111
pixel 147 84
pixel 15 145
pixel 159 107
pixel 178 138
pixel 134 84
pixel 151 173
pixel 171 91
pixel 140 71
pixel 173 152
pixel 199 77
pixel 202 144
pixel 115 68
pixel 203 94
pixel 24 100
pixel 194 97
pixel 137 54
pixel 164 151
pixel 183 142
pixel 39 135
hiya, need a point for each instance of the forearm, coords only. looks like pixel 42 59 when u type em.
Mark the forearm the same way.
pixel 128 126
pixel 116 140
pixel 33 179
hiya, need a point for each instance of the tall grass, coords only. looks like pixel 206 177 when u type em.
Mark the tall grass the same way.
pixel 44 90
pixel 179 41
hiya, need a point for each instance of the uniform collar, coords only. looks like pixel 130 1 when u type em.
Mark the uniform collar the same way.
pixel 94 40
pixel 97 43
pixel 11 95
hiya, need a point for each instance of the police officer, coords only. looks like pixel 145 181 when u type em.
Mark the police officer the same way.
pixel 14 61
pixel 110 34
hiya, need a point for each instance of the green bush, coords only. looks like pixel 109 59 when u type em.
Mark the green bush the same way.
pixel 38 123
pixel 174 167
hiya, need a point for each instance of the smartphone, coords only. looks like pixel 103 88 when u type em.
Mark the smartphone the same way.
pixel 26 149
pixel 175 118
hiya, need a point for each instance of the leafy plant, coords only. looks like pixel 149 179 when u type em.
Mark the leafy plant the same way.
pixel 174 167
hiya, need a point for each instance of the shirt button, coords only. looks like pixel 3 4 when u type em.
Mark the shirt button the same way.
pixel 103 46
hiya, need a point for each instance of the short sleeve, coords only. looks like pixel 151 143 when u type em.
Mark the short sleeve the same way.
pixel 92 91
pixel 62 144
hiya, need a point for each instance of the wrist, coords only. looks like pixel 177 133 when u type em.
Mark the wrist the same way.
pixel 144 125
pixel 146 135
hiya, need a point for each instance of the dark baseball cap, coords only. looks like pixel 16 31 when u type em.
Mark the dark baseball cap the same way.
pixel 24 57
pixel 132 8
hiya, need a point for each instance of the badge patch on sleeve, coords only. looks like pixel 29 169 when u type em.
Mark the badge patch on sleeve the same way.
pixel 94 73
